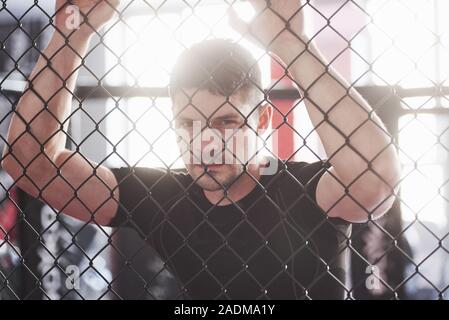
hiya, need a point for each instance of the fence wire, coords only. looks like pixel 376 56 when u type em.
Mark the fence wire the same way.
pixel 105 196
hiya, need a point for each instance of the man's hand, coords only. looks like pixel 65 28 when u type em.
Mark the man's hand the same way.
pixel 276 23
pixel 365 172
pixel 93 14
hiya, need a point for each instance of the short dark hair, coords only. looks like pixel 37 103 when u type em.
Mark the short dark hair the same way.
pixel 220 66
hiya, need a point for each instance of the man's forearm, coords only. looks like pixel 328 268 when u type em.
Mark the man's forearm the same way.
pixel 45 106
pixel 35 156
pixel 353 136
pixel 46 103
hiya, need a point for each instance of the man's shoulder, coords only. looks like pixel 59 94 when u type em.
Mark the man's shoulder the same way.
pixel 307 165
pixel 295 178
pixel 303 171
pixel 299 185
pixel 150 175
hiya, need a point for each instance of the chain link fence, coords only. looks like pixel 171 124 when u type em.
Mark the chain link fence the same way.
pixel 112 184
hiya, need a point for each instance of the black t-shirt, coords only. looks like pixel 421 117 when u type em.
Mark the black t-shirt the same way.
pixel 275 243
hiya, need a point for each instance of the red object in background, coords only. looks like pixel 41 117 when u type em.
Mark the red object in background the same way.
pixel 283 121
pixel 283 117
pixel 8 216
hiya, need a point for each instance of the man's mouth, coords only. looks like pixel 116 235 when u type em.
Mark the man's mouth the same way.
pixel 211 166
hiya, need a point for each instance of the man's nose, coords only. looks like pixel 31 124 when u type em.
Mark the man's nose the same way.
pixel 210 136
pixel 210 141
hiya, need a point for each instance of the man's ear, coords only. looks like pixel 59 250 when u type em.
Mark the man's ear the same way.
pixel 265 114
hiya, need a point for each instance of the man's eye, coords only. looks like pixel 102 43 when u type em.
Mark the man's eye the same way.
pixel 225 123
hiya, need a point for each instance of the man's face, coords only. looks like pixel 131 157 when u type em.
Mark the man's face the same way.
pixel 214 139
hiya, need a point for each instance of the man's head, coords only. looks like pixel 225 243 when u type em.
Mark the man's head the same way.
pixel 216 87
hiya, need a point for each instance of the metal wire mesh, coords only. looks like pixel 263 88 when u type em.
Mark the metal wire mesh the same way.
pixel 169 241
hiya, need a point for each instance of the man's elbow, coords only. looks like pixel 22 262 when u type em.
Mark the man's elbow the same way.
pixel 29 178
pixel 364 208
pixel 379 199
pixel 10 166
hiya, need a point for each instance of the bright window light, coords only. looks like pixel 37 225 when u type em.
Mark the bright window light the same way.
pixel 149 45
pixel 421 192
pixel 404 45
pixel 148 48
pixel 141 128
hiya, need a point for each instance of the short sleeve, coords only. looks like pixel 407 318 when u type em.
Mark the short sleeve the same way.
pixel 143 193
pixel 309 174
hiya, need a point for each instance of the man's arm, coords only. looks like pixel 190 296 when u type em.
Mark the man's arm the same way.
pixel 365 169
pixel 36 158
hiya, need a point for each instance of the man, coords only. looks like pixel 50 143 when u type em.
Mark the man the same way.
pixel 226 230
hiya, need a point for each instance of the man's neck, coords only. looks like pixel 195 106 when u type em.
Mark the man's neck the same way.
pixel 238 189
